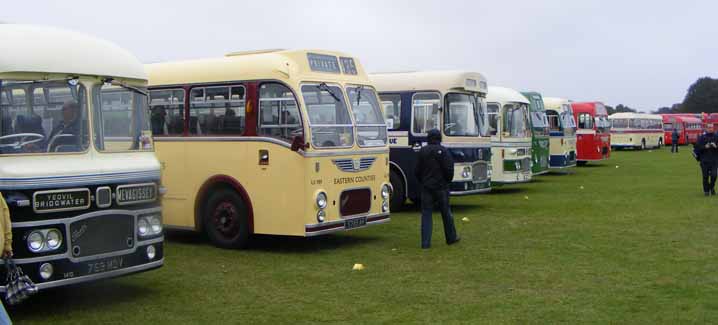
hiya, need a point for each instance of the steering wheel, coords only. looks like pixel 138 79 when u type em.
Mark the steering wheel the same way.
pixel 34 137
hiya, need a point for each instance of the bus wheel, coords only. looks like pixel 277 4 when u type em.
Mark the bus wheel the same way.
pixel 398 195
pixel 226 219
pixel 581 163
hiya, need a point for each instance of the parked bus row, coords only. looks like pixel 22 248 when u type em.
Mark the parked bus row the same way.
pixel 277 142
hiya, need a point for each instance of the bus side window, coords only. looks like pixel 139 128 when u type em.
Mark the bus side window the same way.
pixel 278 112
pixel 217 110
pixel 391 103
pixel 493 109
pixel 167 112
pixel 553 122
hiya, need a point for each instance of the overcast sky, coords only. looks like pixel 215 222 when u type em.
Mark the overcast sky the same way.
pixel 643 54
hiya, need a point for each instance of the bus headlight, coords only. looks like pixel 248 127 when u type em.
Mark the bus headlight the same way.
pixel 385 192
pixel 322 200
pixel 321 215
pixel 46 271
pixel 513 151
pixel 35 241
pixel 385 206
pixel 466 173
pixel 53 239
pixel 142 227
pixel 155 224
pixel 151 252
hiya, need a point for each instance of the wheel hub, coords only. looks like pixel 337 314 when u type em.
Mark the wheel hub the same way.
pixel 226 217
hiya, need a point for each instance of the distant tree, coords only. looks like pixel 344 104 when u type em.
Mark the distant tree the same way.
pixel 675 108
pixel 610 109
pixel 620 108
pixel 702 96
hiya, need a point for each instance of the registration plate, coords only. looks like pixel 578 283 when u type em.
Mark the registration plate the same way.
pixel 355 223
pixel 105 265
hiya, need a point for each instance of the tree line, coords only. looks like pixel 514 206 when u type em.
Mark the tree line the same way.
pixel 702 96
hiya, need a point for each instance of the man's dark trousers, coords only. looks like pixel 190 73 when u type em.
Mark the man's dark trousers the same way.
pixel 674 147
pixel 428 198
pixel 710 171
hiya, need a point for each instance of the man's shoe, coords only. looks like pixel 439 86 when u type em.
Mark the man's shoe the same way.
pixel 713 192
pixel 454 241
pixel 707 193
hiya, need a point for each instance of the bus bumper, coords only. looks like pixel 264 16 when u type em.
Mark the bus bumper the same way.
pixel 562 161
pixel 67 272
pixel 469 188
pixel 323 228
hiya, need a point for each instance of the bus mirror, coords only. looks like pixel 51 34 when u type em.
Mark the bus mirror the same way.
pixel 298 143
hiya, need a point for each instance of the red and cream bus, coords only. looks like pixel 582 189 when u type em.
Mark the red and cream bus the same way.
pixel 689 128
pixel 593 139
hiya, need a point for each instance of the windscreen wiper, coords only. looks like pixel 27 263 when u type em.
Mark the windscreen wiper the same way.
pixel 126 86
pixel 359 89
pixel 323 86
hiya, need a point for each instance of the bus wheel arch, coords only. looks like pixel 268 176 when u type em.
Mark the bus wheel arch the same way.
pixel 399 184
pixel 238 201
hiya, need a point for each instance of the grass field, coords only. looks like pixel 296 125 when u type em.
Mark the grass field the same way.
pixel 629 240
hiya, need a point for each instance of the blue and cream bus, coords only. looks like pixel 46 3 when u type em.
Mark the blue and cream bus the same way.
pixel 77 165
pixel 450 101
pixel 562 128
pixel 510 133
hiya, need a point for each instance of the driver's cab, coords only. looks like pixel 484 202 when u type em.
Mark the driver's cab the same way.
pixel 42 116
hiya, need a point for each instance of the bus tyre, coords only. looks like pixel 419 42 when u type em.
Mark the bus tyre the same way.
pixel 398 195
pixel 225 219
pixel 581 163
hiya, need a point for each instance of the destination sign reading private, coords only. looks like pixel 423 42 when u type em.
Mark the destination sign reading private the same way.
pixel 131 194
pixel 61 200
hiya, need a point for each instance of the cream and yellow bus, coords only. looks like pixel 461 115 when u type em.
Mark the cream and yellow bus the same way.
pixel 77 168
pixel 562 127
pixel 636 130
pixel 279 142
pixel 510 130
pixel 450 101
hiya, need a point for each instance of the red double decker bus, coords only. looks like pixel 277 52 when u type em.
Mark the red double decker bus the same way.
pixel 689 128
pixel 593 137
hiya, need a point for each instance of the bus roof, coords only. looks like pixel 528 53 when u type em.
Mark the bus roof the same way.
pixel 504 95
pixel 442 81
pixel 628 115
pixel 285 65
pixel 554 103
pixel 595 108
pixel 40 49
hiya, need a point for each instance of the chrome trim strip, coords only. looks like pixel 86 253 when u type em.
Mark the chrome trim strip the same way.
pixel 77 180
pixel 347 153
pixel 478 191
pixel 97 276
pixel 68 221
pixel 542 172
pixel 466 145
pixel 494 144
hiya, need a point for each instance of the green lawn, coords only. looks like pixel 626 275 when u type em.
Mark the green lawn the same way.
pixel 638 244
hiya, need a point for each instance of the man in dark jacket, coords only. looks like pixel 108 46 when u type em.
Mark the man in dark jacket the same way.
pixel 435 170
pixel 675 137
pixel 706 152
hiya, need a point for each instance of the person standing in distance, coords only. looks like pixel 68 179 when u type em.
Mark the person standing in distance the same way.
pixel 674 140
pixel 435 170
pixel 706 152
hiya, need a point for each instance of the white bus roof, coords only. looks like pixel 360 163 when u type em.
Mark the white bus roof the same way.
pixel 505 95
pixel 286 65
pixel 554 103
pixel 40 49
pixel 636 115
pixel 442 81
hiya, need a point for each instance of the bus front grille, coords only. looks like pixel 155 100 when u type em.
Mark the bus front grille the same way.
pixel 354 165
pixel 480 172
pixel 354 202
pixel 102 234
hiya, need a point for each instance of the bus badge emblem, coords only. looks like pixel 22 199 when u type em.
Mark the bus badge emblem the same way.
pixel 357 164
